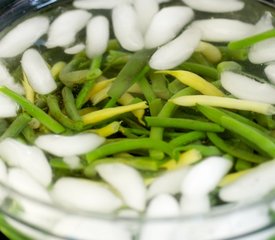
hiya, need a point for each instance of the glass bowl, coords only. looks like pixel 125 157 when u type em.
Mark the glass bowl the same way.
pixel 40 221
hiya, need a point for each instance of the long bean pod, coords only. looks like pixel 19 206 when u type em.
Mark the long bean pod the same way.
pixel 250 134
pixel 69 104
pixel 127 145
pixel 34 111
pixel 186 138
pixel 159 86
pixel 56 112
pixel 200 69
pixel 147 90
pixel 92 75
pixel 70 77
pixel 247 42
pixel 156 133
pixel 234 150
pixel 15 128
pixel 183 124
pixel 134 69
pixel 244 120
pixel 29 134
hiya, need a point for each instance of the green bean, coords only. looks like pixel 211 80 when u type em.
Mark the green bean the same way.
pixel 134 70
pixel 58 163
pixel 41 101
pixel 183 124
pixel 72 78
pixel 15 128
pixel 266 121
pixel 72 73
pixel 147 90
pixel 133 123
pixel 244 120
pixel 247 132
pixel 171 135
pixel 56 112
pixel 126 145
pixel 29 134
pixel 235 55
pixel 242 165
pixel 249 41
pixel 128 133
pixel 116 59
pixel 113 44
pixel 205 151
pixel 211 113
pixel 136 132
pixel 159 85
pixel 155 106
pixel 92 75
pixel 186 138
pixel 34 111
pixel 202 70
pixel 200 59
pixel 247 144
pixel 175 86
pixel 235 151
pixel 167 111
pixel 69 104
pixel 3 125
pixel 251 134
pixel 156 133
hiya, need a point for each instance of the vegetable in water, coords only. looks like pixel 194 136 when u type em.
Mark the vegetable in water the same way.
pixel 139 112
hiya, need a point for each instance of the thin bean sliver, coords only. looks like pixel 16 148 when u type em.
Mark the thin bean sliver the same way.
pixel 129 74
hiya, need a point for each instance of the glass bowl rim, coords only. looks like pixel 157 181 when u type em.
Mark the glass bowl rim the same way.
pixel 218 211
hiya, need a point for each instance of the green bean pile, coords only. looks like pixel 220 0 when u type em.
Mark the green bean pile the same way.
pixel 163 131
